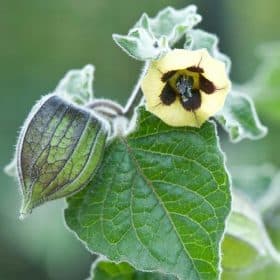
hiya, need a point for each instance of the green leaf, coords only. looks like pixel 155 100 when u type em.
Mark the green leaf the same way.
pixel 245 237
pixel 11 168
pixel 139 44
pixel 239 118
pixel 267 272
pixel 265 85
pixel 246 246
pixel 144 22
pixel 199 39
pixel 150 38
pixel 76 85
pixel 261 186
pixel 58 151
pixel 259 183
pixel 105 270
pixel 173 23
pixel 159 201
pixel 254 181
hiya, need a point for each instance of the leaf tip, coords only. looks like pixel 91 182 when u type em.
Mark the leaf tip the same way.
pixel 116 37
pixel 10 168
pixel 26 209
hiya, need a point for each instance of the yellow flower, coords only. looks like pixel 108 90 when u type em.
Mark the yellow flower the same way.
pixel 185 88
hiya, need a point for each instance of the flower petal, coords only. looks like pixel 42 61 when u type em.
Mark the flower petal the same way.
pixel 180 59
pixel 152 86
pixel 214 71
pixel 173 112
pixel 211 104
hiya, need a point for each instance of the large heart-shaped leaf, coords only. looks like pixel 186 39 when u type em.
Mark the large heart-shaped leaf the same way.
pixel 245 237
pixel 158 202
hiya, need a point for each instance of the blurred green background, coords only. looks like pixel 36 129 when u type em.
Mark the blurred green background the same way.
pixel 40 41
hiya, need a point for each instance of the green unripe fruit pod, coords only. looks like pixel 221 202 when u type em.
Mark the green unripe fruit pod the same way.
pixel 59 150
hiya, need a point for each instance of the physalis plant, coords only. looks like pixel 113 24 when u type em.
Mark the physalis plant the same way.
pixel 146 184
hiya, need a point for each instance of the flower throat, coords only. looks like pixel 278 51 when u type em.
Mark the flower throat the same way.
pixel 183 87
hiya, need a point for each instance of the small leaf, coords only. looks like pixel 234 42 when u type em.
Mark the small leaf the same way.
pixel 59 149
pixel 105 270
pixel 144 22
pixel 76 86
pixel 239 118
pixel 265 85
pixel 201 39
pixel 139 44
pixel 170 21
pixel 11 168
pixel 253 181
pixel 165 193
pixel 246 238
pixel 150 38
pixel 260 184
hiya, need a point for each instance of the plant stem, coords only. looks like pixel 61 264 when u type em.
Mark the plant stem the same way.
pixel 135 96
pixel 116 109
pixel 105 103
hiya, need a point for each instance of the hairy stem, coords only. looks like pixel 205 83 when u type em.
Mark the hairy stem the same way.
pixel 112 109
pixel 135 96
pixel 105 103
